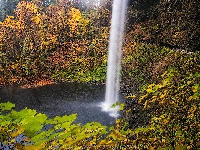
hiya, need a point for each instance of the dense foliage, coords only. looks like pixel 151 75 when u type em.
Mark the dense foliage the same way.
pixel 36 131
pixel 57 41
pixel 167 112
pixel 160 75
pixel 171 23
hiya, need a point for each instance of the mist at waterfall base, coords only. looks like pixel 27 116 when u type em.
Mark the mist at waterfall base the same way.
pixel 114 57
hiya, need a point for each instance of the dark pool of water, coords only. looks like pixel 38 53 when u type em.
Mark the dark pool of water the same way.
pixel 61 99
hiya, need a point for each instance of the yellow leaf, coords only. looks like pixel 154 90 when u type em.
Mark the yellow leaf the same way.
pixel 164 94
pixel 149 90
pixel 145 104
pixel 165 82
pixel 151 148
pixel 142 98
pixel 18 132
pixel 131 96
pixel 190 98
pixel 193 109
pixel 164 74
pixel 195 88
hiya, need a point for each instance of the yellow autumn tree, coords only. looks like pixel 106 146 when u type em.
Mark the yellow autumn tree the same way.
pixel 77 23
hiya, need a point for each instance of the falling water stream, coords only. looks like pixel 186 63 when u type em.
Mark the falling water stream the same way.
pixel 114 56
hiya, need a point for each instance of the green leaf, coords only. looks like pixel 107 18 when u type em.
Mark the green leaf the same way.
pixel 6 106
pixel 34 124
pixel 122 106
pixel 60 120
pixel 42 137
pixel 115 105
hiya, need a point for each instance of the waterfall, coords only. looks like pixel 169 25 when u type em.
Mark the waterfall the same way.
pixel 114 56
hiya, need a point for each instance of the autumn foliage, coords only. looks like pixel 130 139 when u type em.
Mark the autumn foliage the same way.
pixel 39 42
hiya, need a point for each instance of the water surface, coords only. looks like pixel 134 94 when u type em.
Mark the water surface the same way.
pixel 61 99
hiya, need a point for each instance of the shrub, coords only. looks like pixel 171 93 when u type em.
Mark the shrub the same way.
pixel 174 106
pixel 44 42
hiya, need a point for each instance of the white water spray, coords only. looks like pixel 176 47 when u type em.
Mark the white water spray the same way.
pixel 114 56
